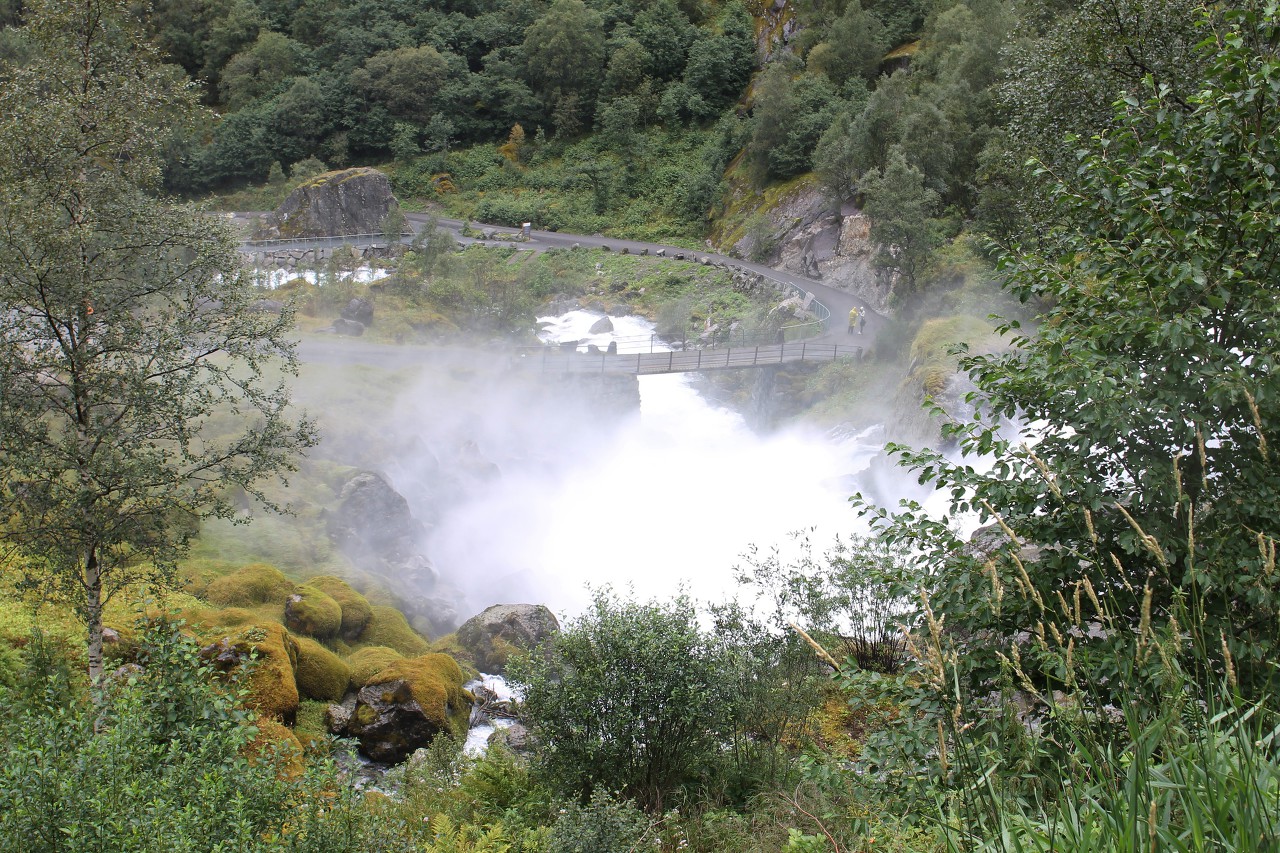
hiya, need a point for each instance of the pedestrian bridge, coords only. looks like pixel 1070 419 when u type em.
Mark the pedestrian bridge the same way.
pixel 553 359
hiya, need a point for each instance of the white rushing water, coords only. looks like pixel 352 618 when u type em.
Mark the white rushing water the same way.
pixel 670 500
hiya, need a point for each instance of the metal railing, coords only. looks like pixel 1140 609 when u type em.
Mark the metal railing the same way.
pixel 554 360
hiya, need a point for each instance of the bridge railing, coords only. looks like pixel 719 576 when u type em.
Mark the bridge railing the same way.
pixel 554 360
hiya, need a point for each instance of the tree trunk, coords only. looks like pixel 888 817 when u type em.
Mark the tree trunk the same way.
pixel 93 616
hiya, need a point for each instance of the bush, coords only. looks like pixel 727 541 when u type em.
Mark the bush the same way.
pixel 160 765
pixel 627 698
pixel 603 825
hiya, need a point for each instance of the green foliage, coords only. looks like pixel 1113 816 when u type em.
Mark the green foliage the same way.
pixel 603 825
pixel 626 698
pixel 126 328
pixel 900 206
pixel 170 738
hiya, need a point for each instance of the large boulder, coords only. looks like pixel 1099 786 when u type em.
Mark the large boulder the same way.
pixel 310 612
pixel 373 520
pixel 353 606
pixel 273 689
pixel 492 636
pixel 321 674
pixel 347 202
pixel 406 705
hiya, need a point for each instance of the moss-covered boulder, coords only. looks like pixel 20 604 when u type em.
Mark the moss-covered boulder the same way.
pixel 321 674
pixel 388 627
pixel 492 637
pixel 273 689
pixel 356 611
pixel 368 662
pixel 276 743
pixel 406 705
pixel 257 583
pixel 312 613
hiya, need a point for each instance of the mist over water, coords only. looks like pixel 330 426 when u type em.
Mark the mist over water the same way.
pixel 669 498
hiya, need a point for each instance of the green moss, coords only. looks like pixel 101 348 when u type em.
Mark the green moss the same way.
pixel 277 744
pixel 356 611
pixel 368 662
pixel 449 645
pixel 310 728
pixel 321 674
pixel 312 613
pixel 388 627
pixel 435 682
pixel 256 583
pixel 273 689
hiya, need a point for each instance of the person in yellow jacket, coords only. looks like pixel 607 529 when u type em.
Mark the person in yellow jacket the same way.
pixel 854 314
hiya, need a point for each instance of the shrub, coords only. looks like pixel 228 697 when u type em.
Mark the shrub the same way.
pixel 603 824
pixel 627 698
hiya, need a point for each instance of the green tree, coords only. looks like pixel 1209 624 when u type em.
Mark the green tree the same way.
pixel 405 81
pixel 564 52
pixel 899 206
pixel 854 46
pixel 1138 531
pixel 260 70
pixel 132 357
pixel 626 698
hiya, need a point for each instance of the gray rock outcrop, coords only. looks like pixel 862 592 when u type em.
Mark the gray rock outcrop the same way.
pixel 490 637
pixel 351 201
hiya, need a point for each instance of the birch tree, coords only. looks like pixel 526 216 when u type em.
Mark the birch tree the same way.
pixel 140 387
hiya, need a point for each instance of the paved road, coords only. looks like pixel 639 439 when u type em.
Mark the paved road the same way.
pixel 839 302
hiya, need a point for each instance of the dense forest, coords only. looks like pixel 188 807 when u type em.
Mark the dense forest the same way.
pixel 1093 669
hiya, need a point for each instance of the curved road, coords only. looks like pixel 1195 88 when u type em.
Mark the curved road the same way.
pixel 839 302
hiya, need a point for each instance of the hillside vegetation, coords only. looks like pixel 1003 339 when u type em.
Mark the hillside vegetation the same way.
pixel 1093 670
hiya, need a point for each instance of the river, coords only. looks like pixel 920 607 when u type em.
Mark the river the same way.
pixel 667 501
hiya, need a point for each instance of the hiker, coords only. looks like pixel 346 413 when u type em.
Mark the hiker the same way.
pixel 854 314
pixel 862 322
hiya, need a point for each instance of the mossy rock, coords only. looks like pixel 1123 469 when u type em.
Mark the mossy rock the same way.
pixel 256 583
pixel 388 627
pixel 312 613
pixel 321 673
pixel 310 728
pixel 356 611
pixel 275 742
pixel 368 662
pixel 407 704
pixel 273 688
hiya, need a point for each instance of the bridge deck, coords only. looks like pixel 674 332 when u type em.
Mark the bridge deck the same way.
pixel 553 360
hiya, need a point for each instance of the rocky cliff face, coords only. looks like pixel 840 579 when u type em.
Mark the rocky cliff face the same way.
pixel 808 236
pixel 352 201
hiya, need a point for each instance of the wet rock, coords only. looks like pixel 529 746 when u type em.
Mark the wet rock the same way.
pixel 350 328
pixel 346 202
pixel 359 311
pixel 492 636
pixel 406 705
pixel 602 326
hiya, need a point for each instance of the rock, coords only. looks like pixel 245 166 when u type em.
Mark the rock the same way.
pixel 493 635
pixel 321 674
pixel 273 691
pixel 110 636
pixel 355 609
pixel 514 737
pixel 359 311
pixel 351 201
pixel 601 326
pixel 310 612
pixel 373 520
pixel 338 716
pixel 350 328
pixel 268 306
pixel 256 583
pixel 368 662
pixel 406 705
